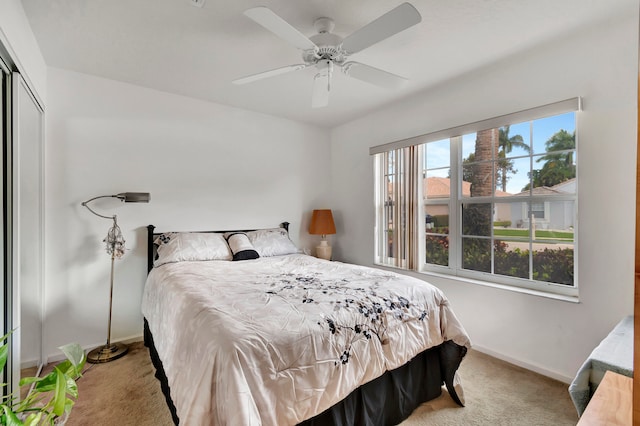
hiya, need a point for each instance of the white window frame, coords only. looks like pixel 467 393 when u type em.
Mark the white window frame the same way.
pixel 454 269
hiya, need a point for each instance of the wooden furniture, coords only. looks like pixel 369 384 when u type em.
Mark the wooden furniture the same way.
pixel 611 403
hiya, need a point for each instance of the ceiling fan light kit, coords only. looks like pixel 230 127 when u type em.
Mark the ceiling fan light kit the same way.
pixel 327 50
pixel 322 84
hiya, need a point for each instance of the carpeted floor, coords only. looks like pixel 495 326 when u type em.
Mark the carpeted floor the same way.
pixel 126 392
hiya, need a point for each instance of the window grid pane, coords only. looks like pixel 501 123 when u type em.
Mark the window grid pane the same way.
pixel 513 212
pixel 436 193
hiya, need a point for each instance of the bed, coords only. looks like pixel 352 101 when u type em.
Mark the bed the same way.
pixel 244 329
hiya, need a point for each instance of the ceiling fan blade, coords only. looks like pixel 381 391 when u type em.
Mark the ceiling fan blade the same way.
pixel 270 73
pixel 373 75
pixel 321 88
pixel 392 22
pixel 268 19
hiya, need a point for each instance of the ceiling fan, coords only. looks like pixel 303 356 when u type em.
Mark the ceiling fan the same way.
pixel 326 50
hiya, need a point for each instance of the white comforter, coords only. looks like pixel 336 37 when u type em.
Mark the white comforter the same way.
pixel 277 340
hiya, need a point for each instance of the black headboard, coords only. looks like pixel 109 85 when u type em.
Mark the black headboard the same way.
pixel 152 235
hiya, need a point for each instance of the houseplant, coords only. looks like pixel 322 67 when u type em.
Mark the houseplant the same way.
pixel 51 397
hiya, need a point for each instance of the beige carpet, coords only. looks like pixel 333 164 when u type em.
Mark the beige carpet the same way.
pixel 126 392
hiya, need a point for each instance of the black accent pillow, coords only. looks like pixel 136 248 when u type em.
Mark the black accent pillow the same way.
pixel 240 246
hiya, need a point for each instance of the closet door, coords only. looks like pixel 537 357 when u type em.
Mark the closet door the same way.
pixel 4 140
pixel 27 226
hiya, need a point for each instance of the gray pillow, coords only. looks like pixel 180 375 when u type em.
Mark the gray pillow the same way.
pixel 272 242
pixel 190 246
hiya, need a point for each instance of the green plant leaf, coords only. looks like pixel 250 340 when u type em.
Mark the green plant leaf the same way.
pixel 75 354
pixel 60 392
pixel 33 419
pixel 33 402
pixel 47 383
pixel 67 368
pixel 68 406
pixel 72 387
pixel 29 380
pixel 4 350
pixel 48 399
pixel 10 417
pixel 4 353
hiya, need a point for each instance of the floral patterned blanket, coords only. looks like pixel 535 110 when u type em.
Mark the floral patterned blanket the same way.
pixel 278 340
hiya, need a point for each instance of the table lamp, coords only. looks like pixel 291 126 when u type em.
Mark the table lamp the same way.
pixel 322 224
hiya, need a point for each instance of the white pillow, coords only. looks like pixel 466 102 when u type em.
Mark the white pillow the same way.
pixel 272 242
pixel 189 246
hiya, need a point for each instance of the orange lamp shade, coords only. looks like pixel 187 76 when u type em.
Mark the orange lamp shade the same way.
pixel 322 223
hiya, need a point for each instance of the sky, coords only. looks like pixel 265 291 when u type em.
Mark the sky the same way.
pixel 534 134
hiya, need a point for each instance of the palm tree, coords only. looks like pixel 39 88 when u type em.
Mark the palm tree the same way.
pixel 558 166
pixel 483 168
pixel 561 141
pixel 506 145
pixel 476 217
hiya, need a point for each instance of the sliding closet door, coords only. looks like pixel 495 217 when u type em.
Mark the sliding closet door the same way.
pixel 27 224
pixel 4 139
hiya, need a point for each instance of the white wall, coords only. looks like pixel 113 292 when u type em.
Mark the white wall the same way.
pixel 105 137
pixel 601 65
pixel 18 39
pixel 206 166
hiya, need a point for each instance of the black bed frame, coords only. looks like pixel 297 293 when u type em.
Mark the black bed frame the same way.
pixel 387 400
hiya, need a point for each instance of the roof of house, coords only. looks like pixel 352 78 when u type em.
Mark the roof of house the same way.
pixel 555 189
pixel 440 187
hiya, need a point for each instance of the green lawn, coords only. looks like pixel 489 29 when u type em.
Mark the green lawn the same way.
pixel 540 234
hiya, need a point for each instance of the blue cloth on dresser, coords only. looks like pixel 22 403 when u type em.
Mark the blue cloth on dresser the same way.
pixel 614 353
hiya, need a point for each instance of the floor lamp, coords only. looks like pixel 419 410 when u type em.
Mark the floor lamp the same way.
pixel 115 248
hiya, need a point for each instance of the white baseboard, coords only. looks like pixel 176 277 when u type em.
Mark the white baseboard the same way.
pixel 28 363
pixel 127 340
pixel 529 366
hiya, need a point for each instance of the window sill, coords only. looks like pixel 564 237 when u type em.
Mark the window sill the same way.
pixel 465 280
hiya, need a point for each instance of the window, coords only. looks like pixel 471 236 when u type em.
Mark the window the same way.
pixel 395 241
pixel 493 201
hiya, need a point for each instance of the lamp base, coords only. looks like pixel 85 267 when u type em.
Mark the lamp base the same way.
pixel 107 353
pixel 323 251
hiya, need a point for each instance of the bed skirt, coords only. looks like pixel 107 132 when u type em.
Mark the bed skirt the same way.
pixel 387 400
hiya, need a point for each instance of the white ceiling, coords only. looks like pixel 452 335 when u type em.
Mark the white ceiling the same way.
pixel 172 46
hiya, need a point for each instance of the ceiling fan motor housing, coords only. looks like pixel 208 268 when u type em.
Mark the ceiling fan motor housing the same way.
pixel 328 44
